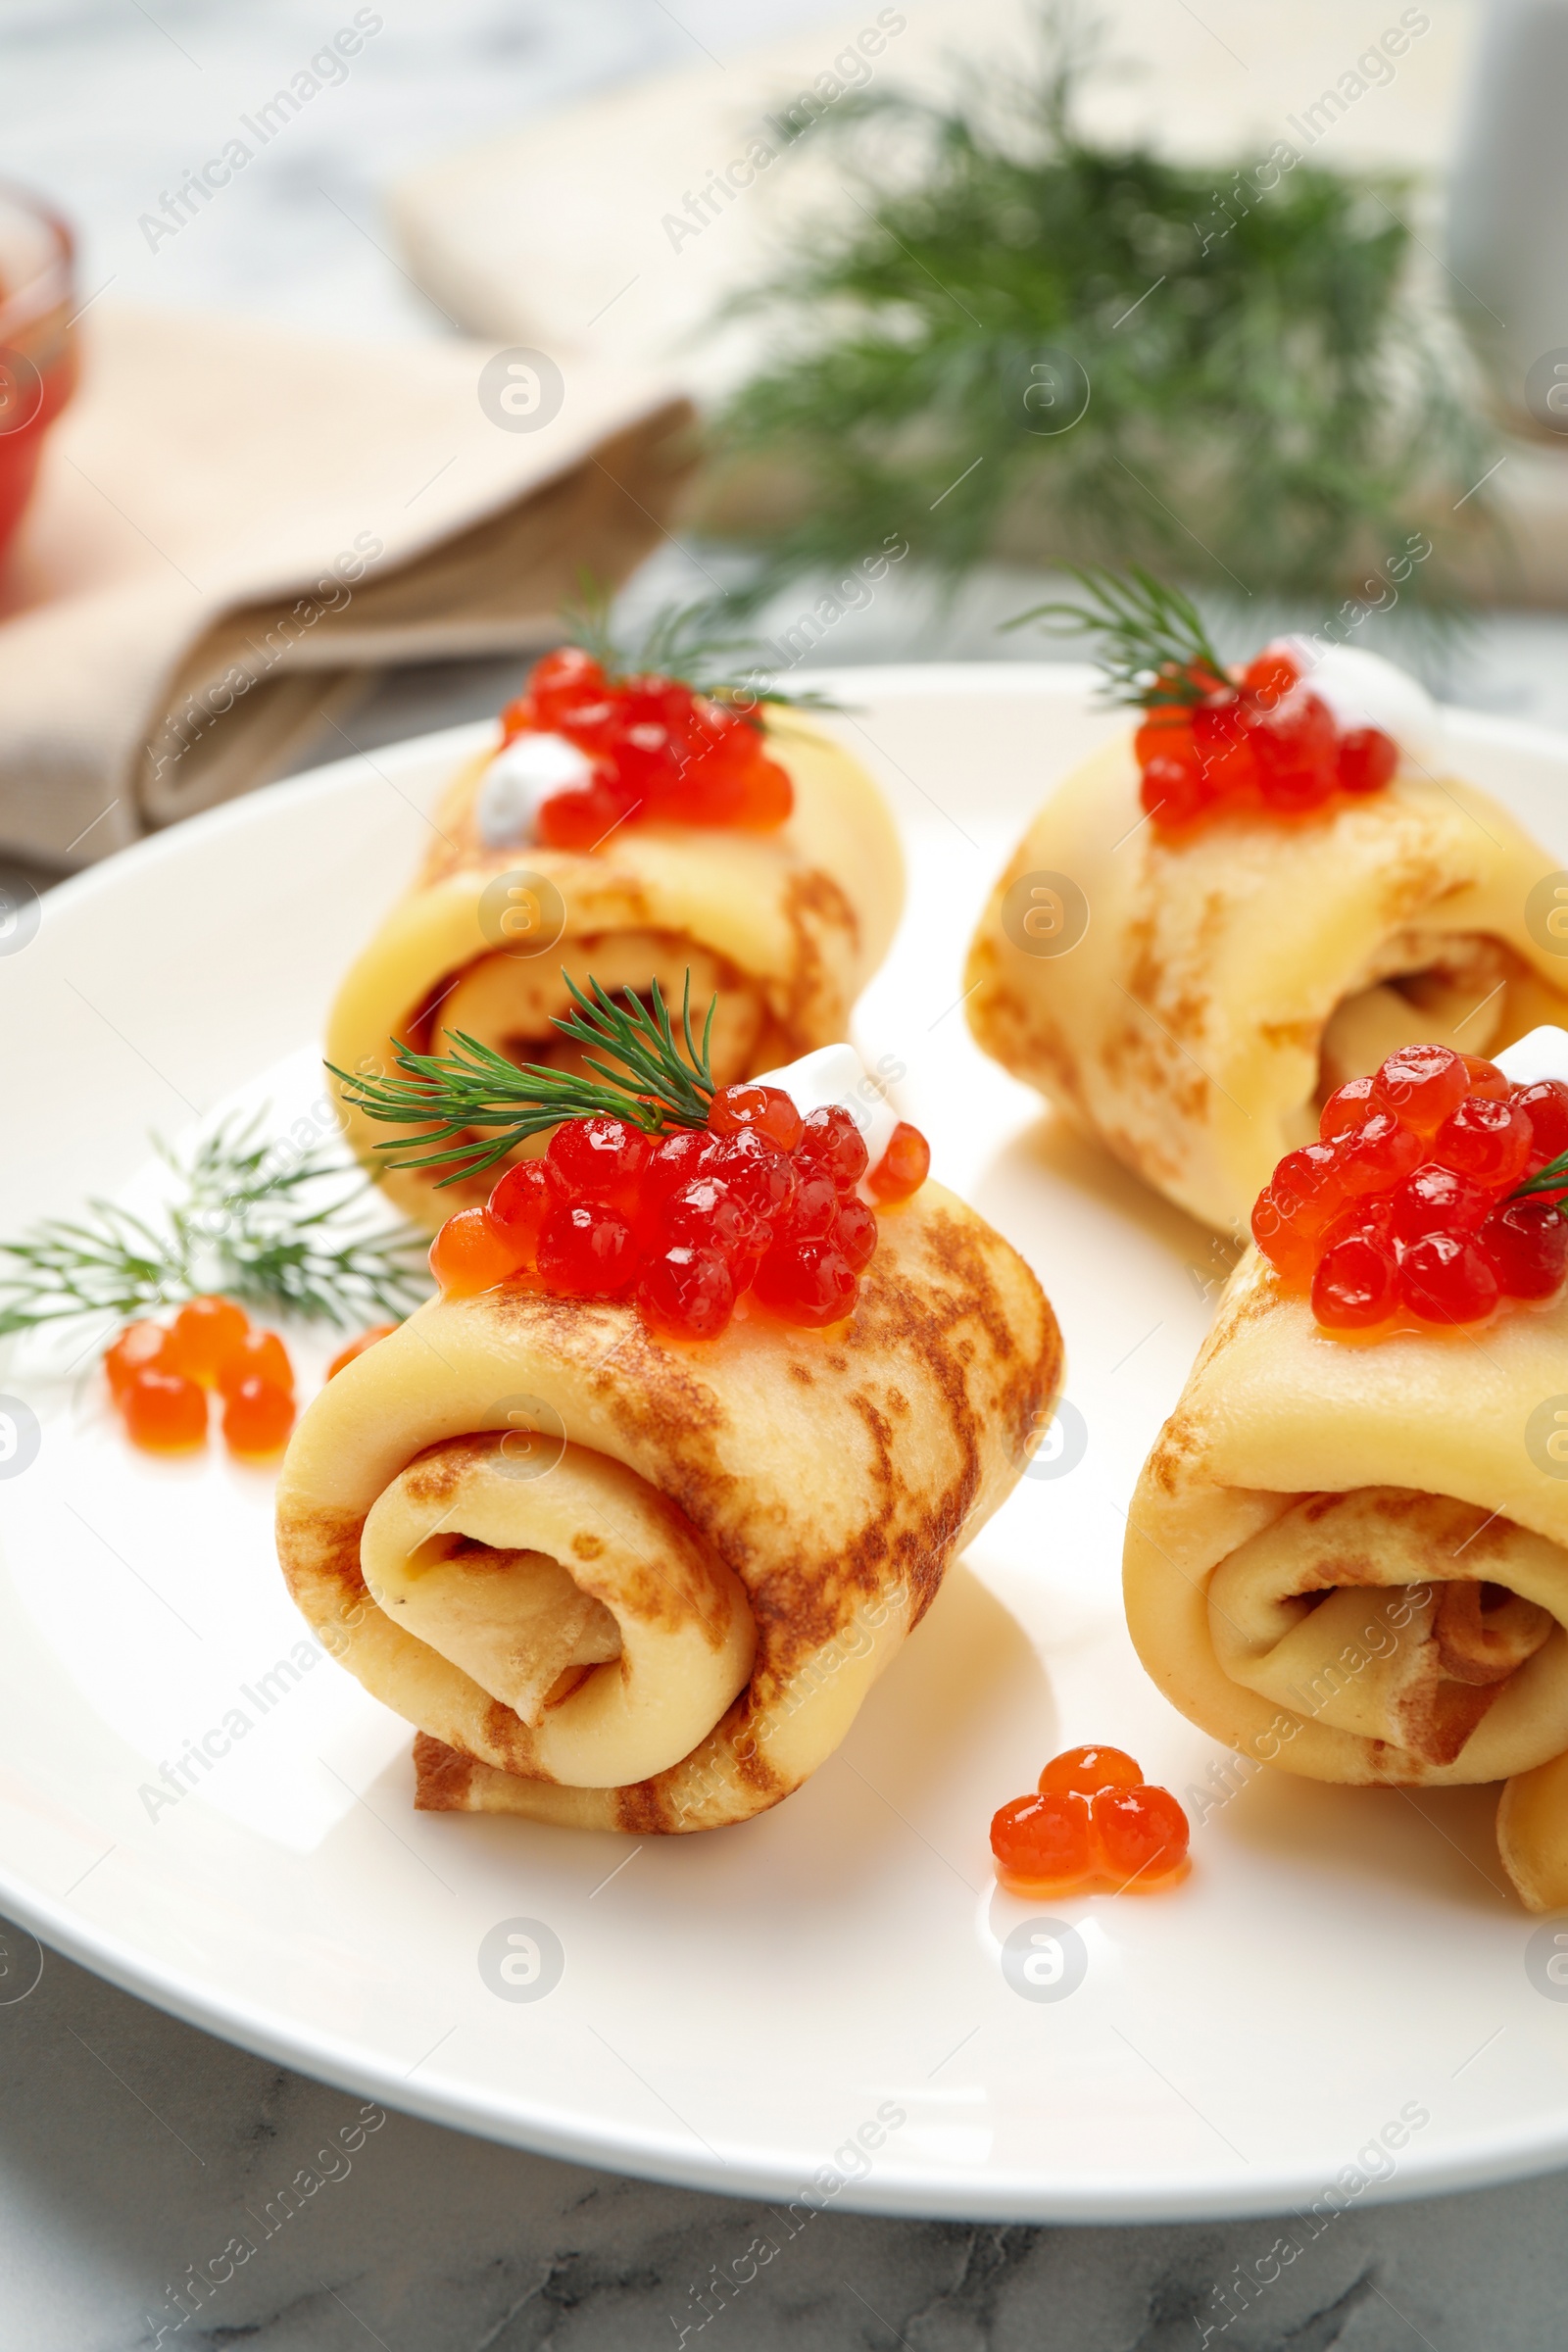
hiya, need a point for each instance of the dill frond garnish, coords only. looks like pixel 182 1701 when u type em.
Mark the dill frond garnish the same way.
pixel 287 1238
pixel 647 1079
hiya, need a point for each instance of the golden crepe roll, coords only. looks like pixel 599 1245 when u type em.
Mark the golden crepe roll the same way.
pixel 622 1582
pixel 1192 998
pixel 1351 1560
pixel 786 925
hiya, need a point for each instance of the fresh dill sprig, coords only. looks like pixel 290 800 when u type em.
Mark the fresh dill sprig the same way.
pixel 1017 342
pixel 693 644
pixel 647 1080
pixel 1552 1178
pixel 1153 646
pixel 240 1224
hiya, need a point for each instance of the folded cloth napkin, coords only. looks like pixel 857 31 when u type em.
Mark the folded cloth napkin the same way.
pixel 234 527
pixel 619 228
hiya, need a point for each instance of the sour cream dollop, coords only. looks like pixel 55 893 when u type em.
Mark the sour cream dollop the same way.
pixel 836 1076
pixel 1364 690
pixel 1543 1054
pixel 519 780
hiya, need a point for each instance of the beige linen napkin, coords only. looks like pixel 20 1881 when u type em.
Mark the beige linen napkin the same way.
pixel 235 526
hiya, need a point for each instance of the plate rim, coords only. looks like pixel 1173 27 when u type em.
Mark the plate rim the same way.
pixel 1490 2159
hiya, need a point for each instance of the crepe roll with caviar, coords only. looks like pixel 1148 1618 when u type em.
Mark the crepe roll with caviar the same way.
pixel 630 1518
pixel 1273 884
pixel 631 826
pixel 1347 1554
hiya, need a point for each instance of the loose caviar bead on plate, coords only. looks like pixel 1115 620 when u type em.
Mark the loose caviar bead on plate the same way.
pixel 1044 1839
pixel 205 1335
pixel 165 1412
pixel 1085 1771
pixel 141 1347
pixel 259 1355
pixel 258 1416
pixel 1093 1822
pixel 1143 1833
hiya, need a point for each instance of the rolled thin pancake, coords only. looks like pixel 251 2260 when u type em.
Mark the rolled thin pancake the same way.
pixel 786 926
pixel 1230 978
pixel 618 1582
pixel 1352 1561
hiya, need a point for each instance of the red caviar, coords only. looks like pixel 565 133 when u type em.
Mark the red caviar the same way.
pixel 258 1415
pixel 1403 1211
pixel 767 1108
pixel 1093 1822
pixel 203 1335
pixel 165 1411
pixel 140 1346
pixel 258 1355
pixel 659 751
pixel 472 1253
pixel 903 1166
pixel 160 1378
pixel 760 1200
pixel 1261 741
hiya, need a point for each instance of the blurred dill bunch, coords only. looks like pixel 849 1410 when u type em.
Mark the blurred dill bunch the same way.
pixel 1010 342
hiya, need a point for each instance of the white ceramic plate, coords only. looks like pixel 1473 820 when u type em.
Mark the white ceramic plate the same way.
pixel 734 2008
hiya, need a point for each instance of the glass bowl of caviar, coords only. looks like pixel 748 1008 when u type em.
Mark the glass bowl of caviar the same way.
pixel 38 347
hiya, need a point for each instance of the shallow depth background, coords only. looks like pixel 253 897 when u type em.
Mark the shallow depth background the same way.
pixel 133 2147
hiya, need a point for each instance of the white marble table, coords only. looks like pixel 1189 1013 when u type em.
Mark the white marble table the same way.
pixel 133 2147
